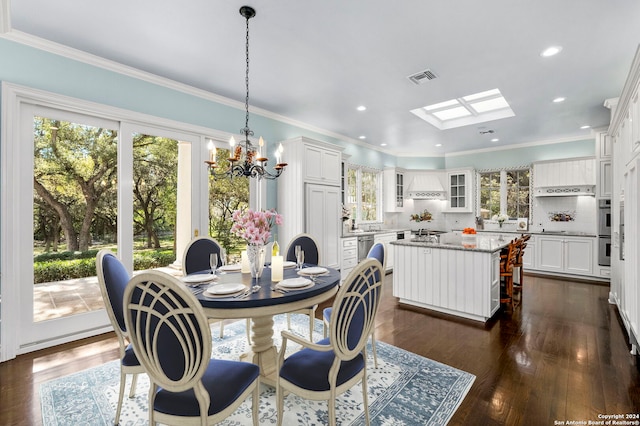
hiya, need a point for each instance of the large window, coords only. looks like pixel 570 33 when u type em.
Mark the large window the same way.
pixel 505 191
pixel 363 187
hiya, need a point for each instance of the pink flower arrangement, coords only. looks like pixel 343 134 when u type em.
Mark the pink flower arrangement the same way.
pixel 254 227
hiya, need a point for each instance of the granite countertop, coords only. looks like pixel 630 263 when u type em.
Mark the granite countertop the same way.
pixel 550 233
pixel 381 231
pixel 479 243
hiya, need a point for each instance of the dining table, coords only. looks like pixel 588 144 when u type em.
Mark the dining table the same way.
pixel 265 300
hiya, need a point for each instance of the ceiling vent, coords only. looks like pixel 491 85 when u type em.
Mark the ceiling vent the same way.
pixel 422 77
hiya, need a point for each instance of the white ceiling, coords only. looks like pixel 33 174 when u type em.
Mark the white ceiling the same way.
pixel 316 61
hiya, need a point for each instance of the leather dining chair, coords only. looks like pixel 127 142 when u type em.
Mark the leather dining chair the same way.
pixel 170 333
pixel 323 370
pixel 112 280
pixel 378 252
pixel 196 258
pixel 311 256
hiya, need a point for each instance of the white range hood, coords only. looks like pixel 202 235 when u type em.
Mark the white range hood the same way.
pixel 426 187
pixel 565 191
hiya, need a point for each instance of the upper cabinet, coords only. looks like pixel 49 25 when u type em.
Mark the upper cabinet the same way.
pixel 322 165
pixel 460 191
pixel 393 190
pixel 576 176
pixel 604 149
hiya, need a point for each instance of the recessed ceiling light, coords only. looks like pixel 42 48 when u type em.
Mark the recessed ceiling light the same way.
pixel 363 137
pixel 495 140
pixel 362 108
pixel 551 51
pixel 383 144
pixel 559 99
pixel 438 144
pixel 585 127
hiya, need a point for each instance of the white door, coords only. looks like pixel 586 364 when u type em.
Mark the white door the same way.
pixel 579 256
pixel 37 305
pixel 550 254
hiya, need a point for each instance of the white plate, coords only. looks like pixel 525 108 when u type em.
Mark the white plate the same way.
pixel 295 282
pixel 230 268
pixel 227 288
pixel 288 264
pixel 314 270
pixel 198 278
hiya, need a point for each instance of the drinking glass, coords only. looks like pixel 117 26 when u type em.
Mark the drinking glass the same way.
pixel 300 258
pixel 297 251
pixel 213 262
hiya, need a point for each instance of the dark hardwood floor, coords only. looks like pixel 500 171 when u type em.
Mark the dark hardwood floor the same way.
pixel 561 355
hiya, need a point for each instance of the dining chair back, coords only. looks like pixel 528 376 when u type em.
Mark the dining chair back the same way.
pixel 378 252
pixel 507 262
pixel 308 244
pixel 196 254
pixel 311 256
pixel 112 280
pixel 322 370
pixel 171 335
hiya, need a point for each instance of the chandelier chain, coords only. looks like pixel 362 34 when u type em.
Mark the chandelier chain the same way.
pixel 246 129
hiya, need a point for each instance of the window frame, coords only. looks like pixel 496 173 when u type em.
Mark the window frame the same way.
pixel 504 207
pixel 357 212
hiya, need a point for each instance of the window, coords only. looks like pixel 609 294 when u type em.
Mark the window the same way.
pixel 504 191
pixel 363 187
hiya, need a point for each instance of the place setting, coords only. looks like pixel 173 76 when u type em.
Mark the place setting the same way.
pixel 225 290
pixel 293 284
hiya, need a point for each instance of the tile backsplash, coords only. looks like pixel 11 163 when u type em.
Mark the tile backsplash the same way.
pixel 578 214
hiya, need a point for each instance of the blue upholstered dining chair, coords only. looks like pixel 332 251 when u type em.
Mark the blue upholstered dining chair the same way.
pixel 322 370
pixel 196 258
pixel 170 334
pixel 311 256
pixel 378 252
pixel 113 279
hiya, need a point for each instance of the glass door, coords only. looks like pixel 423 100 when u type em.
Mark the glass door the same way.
pixel 86 184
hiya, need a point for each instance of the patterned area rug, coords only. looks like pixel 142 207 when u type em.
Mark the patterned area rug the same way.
pixel 405 389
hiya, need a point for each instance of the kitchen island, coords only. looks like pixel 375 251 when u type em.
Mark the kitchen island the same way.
pixel 457 275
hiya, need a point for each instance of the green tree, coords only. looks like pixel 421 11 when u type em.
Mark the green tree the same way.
pixel 155 167
pixel 74 166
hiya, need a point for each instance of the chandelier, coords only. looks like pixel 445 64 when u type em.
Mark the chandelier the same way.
pixel 244 158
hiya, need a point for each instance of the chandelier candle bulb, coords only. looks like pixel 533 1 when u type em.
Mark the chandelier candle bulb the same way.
pixel 277 268
pixel 244 262
pixel 232 144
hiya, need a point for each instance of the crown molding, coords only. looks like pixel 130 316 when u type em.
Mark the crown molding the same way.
pixel 519 146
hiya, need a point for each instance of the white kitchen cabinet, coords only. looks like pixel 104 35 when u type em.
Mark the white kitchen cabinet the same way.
pixel 567 255
pixel 307 202
pixel 460 191
pixel 605 176
pixel 529 258
pixel 323 207
pixel 348 256
pixel 456 282
pixel 393 192
pixel 385 239
pixel 322 165
pixel 573 172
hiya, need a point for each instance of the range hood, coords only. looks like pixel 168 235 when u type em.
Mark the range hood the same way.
pixel 426 187
pixel 565 191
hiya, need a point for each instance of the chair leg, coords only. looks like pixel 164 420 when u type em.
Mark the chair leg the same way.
pixel 255 404
pixel 248 329
pixel 123 379
pixel 312 316
pixel 221 329
pixel 332 409
pixel 373 347
pixel 279 404
pixel 365 401
pixel 289 321
pixel 134 381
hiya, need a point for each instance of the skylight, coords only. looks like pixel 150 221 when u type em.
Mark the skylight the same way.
pixel 472 109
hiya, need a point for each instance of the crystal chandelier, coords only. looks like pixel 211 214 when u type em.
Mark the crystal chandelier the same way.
pixel 244 158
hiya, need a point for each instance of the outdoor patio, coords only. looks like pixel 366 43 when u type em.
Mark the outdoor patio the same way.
pixel 70 297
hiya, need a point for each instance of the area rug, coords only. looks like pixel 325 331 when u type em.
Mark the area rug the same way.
pixel 405 389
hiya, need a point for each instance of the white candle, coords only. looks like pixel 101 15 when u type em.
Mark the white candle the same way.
pixel 277 268
pixel 212 152
pixel 281 151
pixel 244 263
pixel 232 144
pixel 260 144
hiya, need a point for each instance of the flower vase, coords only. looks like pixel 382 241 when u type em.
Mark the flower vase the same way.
pixel 256 255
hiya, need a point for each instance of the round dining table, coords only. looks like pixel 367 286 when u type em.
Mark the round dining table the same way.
pixel 261 305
